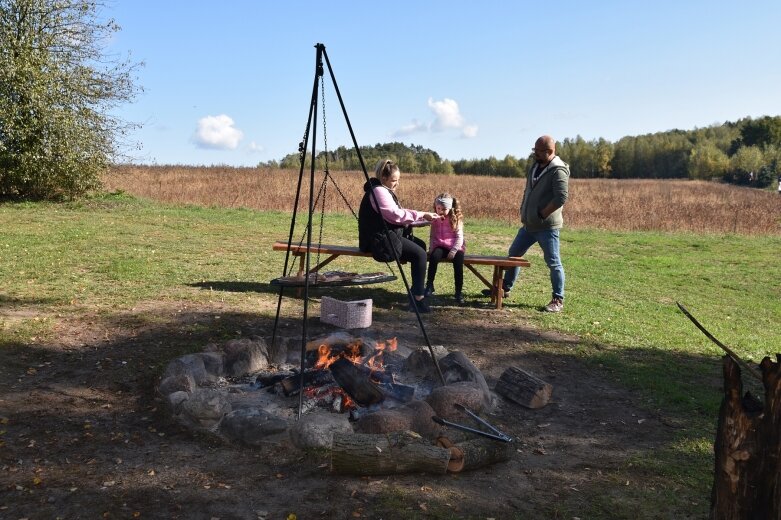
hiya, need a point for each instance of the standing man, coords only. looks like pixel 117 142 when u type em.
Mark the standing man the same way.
pixel 543 199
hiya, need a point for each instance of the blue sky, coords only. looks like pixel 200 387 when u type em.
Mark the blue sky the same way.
pixel 230 82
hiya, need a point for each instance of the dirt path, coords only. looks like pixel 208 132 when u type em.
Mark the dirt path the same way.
pixel 85 437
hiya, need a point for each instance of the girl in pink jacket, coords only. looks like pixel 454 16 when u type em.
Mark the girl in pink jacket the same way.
pixel 447 240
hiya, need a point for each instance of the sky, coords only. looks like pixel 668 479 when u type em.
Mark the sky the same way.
pixel 230 82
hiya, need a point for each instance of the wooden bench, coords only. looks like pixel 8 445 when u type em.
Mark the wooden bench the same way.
pixel 499 263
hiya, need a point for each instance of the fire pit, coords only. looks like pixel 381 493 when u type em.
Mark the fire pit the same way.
pixel 248 392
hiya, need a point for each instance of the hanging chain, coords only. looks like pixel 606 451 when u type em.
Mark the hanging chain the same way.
pixel 321 194
pixel 325 169
pixel 343 197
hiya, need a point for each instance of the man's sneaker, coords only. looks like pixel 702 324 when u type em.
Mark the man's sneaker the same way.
pixel 488 292
pixel 555 305
pixel 423 306
pixel 429 289
pixel 459 299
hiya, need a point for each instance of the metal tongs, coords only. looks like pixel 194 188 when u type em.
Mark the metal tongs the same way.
pixel 494 434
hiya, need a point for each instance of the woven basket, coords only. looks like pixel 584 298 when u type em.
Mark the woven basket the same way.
pixel 347 315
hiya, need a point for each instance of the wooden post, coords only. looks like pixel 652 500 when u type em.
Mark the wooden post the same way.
pixel 747 480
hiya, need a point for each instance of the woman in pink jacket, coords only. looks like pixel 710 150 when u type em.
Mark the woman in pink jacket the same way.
pixel 381 204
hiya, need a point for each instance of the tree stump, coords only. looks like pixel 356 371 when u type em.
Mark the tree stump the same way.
pixel 747 480
pixel 388 454
pixel 523 388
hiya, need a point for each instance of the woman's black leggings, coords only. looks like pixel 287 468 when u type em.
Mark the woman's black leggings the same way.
pixel 458 266
pixel 414 251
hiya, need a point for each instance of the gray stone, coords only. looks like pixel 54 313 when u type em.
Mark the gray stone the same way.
pixel 414 416
pixel 174 401
pixel 316 430
pixel 465 393
pixel 213 363
pixel 183 382
pixel 419 362
pixel 205 408
pixel 252 426
pixel 456 367
pixel 245 356
pixel 277 352
pixel 190 364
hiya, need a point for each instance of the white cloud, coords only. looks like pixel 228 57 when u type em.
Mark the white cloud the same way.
pixel 254 147
pixel 411 128
pixel 469 131
pixel 447 116
pixel 218 133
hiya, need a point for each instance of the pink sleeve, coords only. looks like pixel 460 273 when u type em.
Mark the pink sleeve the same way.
pixel 391 211
pixel 459 243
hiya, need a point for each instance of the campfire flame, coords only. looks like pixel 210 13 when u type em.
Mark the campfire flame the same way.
pixel 376 361
pixel 327 356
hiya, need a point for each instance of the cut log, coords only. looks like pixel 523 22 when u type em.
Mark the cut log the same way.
pixel 747 479
pixel 523 388
pixel 475 453
pixel 388 454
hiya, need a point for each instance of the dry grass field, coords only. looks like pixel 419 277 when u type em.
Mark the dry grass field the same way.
pixel 620 205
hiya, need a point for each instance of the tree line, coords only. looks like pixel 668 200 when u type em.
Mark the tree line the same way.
pixel 747 151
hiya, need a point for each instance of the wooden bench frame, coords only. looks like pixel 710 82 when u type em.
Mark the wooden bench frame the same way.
pixel 500 263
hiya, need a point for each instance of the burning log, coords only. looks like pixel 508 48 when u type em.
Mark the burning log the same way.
pixel 747 480
pixel 475 453
pixel 291 385
pixel 388 454
pixel 355 381
pixel 269 380
pixel 523 388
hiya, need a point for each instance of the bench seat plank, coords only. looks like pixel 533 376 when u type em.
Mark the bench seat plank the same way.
pixel 499 263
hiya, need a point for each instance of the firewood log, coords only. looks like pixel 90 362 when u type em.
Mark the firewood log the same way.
pixel 386 454
pixel 523 388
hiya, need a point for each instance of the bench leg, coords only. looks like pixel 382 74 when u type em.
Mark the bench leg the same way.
pixel 497 293
pixel 495 284
pixel 301 259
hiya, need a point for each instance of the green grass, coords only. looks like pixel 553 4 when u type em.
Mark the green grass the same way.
pixel 113 252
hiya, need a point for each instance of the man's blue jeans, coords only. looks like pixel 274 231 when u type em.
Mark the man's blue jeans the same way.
pixel 549 242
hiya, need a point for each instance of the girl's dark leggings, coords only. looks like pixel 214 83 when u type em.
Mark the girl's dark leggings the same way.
pixel 458 266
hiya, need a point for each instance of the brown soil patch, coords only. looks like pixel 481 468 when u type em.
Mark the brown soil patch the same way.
pixel 86 437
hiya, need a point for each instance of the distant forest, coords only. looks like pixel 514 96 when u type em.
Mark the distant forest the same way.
pixel 747 152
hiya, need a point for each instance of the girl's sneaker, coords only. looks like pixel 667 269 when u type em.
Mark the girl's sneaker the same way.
pixel 429 290
pixel 459 299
